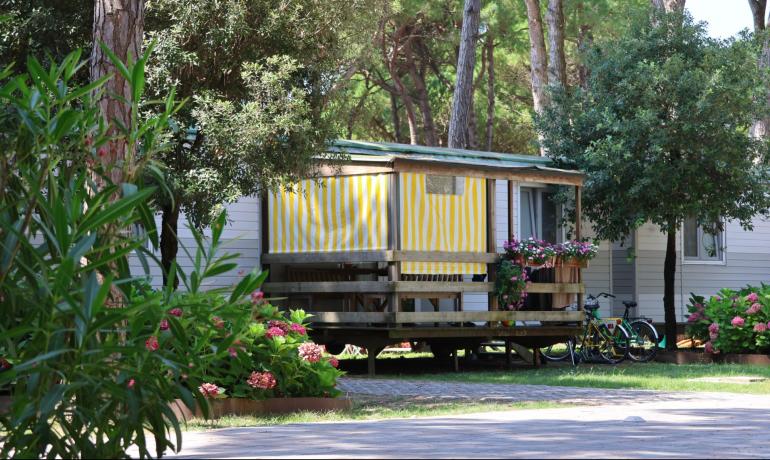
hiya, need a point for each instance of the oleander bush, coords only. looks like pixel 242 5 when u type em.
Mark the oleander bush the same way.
pixel 733 321
pixel 90 354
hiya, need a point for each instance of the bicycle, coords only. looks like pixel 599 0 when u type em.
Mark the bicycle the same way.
pixel 606 339
pixel 643 337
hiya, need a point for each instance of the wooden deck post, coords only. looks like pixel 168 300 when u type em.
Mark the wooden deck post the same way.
pixel 491 241
pixel 264 223
pixel 578 221
pixel 511 209
pixel 394 237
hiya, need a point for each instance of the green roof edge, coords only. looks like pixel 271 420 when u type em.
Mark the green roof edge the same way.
pixel 439 151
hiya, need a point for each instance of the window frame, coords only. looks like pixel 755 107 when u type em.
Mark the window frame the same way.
pixel 722 239
pixel 536 192
pixel 458 185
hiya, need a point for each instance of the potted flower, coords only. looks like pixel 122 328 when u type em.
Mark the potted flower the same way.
pixel 575 253
pixel 511 286
pixel 530 252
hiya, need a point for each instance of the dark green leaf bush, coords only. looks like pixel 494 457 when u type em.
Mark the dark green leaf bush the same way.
pixel 732 321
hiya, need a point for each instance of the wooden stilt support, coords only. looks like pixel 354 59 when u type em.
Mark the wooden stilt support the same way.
pixel 508 357
pixel 537 359
pixel 456 360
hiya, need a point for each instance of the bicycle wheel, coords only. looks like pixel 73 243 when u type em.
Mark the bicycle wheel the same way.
pixel 556 352
pixel 613 345
pixel 644 341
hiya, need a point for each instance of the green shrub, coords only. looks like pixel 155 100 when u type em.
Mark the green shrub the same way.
pixel 732 321
pixel 84 374
pixel 263 344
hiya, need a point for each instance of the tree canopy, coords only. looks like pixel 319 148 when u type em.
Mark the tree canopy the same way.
pixel 662 131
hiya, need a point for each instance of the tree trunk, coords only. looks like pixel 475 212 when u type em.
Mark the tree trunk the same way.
pixel 462 100
pixel 423 101
pixel 557 64
pixel 761 128
pixel 758 8
pixel 669 6
pixel 395 118
pixel 538 59
pixel 490 90
pixel 669 276
pixel 119 24
pixel 169 244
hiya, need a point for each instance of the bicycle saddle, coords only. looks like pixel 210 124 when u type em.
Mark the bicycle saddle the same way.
pixel 591 307
pixel 629 304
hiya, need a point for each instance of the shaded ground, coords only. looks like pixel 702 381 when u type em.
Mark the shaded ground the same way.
pixel 695 426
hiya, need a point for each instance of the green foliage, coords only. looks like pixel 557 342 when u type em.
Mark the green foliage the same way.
pixel 511 285
pixel 45 29
pixel 84 378
pixel 662 129
pixel 732 321
pixel 258 74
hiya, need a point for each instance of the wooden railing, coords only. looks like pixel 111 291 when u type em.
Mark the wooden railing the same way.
pixel 444 317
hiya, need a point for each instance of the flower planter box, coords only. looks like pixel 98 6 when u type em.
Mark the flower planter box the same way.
pixel 701 357
pixel 571 263
pixel 242 406
pixel 549 262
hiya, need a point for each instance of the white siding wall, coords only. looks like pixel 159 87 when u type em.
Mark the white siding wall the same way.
pixel 650 249
pixel 241 236
pixel 747 261
pixel 597 277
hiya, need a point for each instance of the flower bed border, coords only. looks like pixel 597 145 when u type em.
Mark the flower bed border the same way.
pixel 243 406
pixel 701 357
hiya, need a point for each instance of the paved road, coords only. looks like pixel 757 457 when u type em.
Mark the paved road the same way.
pixel 618 423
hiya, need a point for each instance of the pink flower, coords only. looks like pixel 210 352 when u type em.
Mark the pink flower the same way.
pixel 768 324
pixel 232 352
pixel 699 307
pixel 514 279
pixel 714 328
pixel 279 324
pixel 131 383
pixel 753 297
pixel 274 332
pixel 738 321
pixel 310 352
pixel 164 325
pixel 152 344
pixel 709 347
pixel 175 312
pixel 262 380
pixel 298 328
pixel 219 323
pixel 257 297
pixel 209 390
pixel 713 335
pixel 334 362
pixel 754 308
pixel 694 317
pixel 760 327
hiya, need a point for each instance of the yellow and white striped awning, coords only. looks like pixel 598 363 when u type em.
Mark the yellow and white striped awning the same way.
pixel 443 222
pixel 345 213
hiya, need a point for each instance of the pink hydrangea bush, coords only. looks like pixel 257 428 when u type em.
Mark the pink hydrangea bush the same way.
pixel 276 358
pixel 732 321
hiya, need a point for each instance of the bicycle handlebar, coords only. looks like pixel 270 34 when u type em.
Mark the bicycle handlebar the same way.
pixel 604 294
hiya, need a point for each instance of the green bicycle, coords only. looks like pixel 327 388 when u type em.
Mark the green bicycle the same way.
pixel 641 343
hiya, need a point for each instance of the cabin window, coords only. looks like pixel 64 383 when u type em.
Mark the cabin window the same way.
pixel 539 215
pixel 702 243
pixel 444 185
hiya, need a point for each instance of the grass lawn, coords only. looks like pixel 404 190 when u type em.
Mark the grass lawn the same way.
pixel 371 408
pixel 649 376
